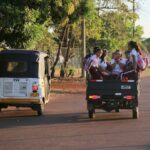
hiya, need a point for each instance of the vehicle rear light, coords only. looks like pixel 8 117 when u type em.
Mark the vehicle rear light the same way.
pixel 93 80
pixel 124 79
pixel 129 97
pixel 96 80
pixel 34 87
pixel 94 97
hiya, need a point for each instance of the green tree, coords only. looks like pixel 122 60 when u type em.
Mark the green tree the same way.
pixel 146 44
pixel 64 15
pixel 117 30
pixel 22 23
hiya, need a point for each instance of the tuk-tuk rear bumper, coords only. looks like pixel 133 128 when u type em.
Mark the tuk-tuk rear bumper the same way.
pixel 19 101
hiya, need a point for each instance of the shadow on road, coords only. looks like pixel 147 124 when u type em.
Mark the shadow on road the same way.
pixel 28 118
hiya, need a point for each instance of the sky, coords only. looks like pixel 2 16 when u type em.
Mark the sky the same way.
pixel 144 14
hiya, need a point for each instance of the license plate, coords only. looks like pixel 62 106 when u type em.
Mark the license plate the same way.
pixel 125 87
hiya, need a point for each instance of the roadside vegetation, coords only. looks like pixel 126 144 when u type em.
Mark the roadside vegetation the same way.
pixel 54 26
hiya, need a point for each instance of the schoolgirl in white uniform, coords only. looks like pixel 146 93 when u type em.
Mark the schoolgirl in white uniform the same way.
pixel 103 64
pixel 118 64
pixel 94 67
pixel 135 51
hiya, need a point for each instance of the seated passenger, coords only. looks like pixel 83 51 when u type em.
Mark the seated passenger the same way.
pixel 129 64
pixel 87 60
pixel 94 66
pixel 117 64
pixel 129 72
pixel 103 64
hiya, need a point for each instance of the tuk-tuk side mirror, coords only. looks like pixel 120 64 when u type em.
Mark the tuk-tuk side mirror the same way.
pixel 37 60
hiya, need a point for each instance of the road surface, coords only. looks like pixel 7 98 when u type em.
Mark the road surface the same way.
pixel 65 126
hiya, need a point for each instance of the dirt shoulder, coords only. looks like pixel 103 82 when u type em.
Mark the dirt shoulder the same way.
pixel 73 85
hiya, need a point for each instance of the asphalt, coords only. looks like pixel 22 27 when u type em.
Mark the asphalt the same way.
pixel 65 126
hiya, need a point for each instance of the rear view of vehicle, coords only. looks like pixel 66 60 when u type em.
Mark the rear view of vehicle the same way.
pixel 112 95
pixel 23 82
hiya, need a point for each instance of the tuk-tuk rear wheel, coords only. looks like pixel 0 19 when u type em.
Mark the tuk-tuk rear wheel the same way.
pixel 40 109
pixel 91 114
pixel 91 110
pixel 135 113
pixel 117 110
pixel 1 107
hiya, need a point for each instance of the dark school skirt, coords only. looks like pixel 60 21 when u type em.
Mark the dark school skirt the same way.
pixel 95 73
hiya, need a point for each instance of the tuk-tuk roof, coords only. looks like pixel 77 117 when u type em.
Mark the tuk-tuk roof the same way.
pixel 21 51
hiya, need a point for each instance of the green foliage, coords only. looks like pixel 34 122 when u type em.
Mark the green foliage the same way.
pixel 23 22
pixel 117 26
pixel 48 44
pixel 146 44
pixel 62 11
pixel 86 9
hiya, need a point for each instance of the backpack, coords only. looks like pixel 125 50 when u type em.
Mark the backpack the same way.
pixel 147 61
pixel 87 62
pixel 142 62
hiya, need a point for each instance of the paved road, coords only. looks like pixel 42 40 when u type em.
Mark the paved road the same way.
pixel 65 126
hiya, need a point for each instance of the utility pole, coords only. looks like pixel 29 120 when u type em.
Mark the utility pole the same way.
pixel 133 32
pixel 83 46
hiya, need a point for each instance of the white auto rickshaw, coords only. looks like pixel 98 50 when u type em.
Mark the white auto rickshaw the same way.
pixel 24 79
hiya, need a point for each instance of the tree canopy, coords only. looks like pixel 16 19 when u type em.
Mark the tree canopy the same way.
pixel 22 22
pixel 109 24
